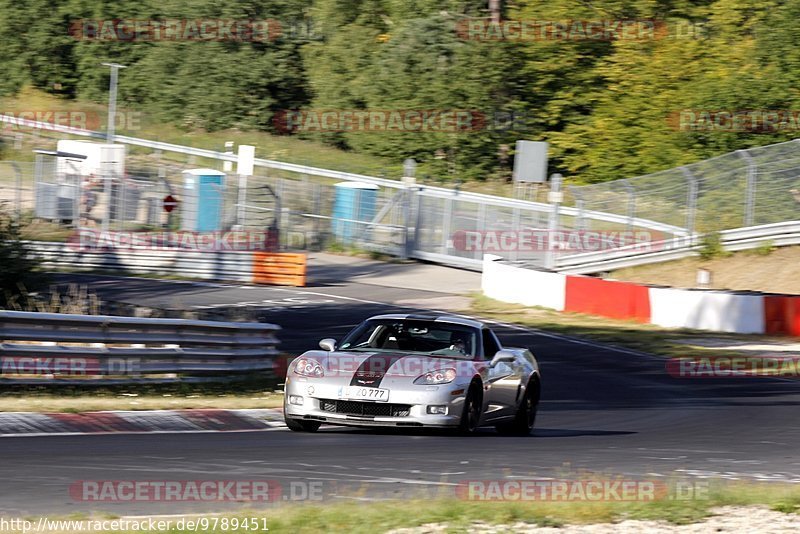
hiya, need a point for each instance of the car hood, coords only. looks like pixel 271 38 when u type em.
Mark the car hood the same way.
pixel 394 363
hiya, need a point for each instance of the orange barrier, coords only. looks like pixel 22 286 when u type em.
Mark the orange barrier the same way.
pixel 782 315
pixel 606 298
pixel 279 268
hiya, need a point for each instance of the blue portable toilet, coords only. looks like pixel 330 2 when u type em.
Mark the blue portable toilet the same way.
pixel 354 201
pixel 202 202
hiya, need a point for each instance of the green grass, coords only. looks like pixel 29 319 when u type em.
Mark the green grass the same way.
pixel 283 148
pixel 460 515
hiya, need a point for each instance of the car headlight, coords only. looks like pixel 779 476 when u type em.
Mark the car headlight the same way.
pixel 308 367
pixel 439 376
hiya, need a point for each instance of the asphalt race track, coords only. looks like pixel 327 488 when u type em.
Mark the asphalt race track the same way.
pixel 602 410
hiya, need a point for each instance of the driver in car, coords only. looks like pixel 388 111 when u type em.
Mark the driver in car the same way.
pixel 459 342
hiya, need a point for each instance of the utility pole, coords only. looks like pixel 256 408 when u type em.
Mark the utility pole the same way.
pixel 494 10
pixel 112 100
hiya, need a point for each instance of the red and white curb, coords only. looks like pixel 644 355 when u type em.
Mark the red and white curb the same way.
pixel 138 422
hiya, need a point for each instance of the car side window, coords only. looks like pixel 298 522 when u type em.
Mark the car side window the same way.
pixel 490 346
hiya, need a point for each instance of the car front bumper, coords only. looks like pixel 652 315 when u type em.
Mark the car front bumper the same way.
pixel 407 405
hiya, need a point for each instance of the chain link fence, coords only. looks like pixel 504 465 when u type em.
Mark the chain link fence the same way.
pixel 743 188
pixel 290 210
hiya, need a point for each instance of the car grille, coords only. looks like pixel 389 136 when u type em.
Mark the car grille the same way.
pixel 373 409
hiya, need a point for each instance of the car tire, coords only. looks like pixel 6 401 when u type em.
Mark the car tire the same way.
pixel 525 418
pixel 302 426
pixel 471 415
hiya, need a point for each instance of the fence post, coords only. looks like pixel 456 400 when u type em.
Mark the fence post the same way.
pixel 691 202
pixel 481 227
pixel 316 222
pixel 18 191
pixel 580 204
pixel 408 193
pixel 419 217
pixel 241 201
pixel 750 191
pixel 631 203
pixel 446 223
pixel 555 198
pixel 516 226
pixel 279 215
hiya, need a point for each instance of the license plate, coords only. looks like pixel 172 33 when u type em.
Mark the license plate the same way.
pixel 357 393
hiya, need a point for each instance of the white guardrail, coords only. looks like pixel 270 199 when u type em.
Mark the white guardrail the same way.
pixel 346 176
pixel 35 347
pixel 777 234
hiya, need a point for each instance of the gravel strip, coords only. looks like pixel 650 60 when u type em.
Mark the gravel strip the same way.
pixel 725 519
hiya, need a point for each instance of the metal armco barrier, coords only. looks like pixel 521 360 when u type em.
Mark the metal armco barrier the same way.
pixel 233 266
pixel 50 346
pixel 278 268
pixel 777 234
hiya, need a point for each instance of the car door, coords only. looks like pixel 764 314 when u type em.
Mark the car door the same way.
pixel 503 380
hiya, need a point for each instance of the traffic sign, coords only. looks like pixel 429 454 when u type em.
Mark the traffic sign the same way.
pixel 170 203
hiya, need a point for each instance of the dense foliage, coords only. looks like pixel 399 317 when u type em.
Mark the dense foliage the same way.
pixel 604 105
pixel 19 272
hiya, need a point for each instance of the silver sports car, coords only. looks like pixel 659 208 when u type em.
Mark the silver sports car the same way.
pixel 414 371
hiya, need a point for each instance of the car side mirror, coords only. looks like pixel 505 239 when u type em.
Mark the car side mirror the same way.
pixel 328 344
pixel 502 356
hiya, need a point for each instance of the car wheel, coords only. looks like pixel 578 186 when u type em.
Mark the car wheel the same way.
pixel 471 416
pixel 525 418
pixel 302 426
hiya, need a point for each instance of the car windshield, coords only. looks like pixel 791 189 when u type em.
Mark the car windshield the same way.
pixel 417 336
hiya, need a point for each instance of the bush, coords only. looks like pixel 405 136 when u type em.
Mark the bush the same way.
pixel 19 270
pixel 711 246
pixel 765 249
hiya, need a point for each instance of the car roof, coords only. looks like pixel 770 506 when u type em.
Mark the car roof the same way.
pixel 452 319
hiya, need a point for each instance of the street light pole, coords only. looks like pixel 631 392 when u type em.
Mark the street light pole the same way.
pixel 112 100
